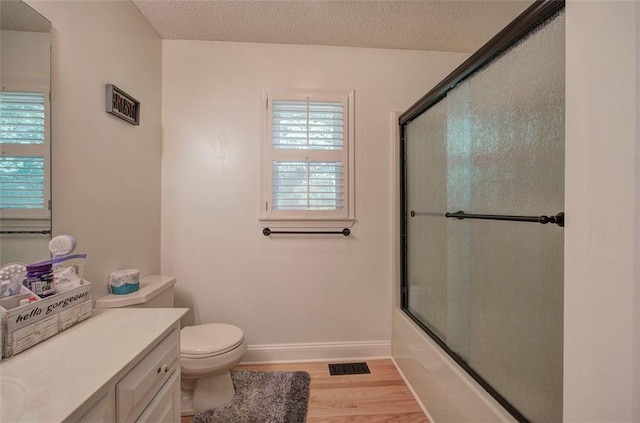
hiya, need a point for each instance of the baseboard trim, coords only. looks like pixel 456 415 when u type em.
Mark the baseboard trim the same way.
pixel 320 351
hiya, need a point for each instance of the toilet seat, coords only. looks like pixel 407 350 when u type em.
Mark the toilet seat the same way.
pixel 209 340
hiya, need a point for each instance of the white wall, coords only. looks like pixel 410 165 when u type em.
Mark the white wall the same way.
pixel 280 289
pixel 601 290
pixel 106 172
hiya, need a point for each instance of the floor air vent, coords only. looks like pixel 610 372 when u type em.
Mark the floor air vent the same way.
pixel 348 369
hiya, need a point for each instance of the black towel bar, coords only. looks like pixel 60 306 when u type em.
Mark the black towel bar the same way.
pixel 345 232
pixel 43 232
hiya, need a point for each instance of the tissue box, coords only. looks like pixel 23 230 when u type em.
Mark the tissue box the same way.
pixel 25 326
pixel 123 282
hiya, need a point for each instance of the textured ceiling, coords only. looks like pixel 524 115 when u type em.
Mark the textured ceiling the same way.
pixel 440 25
pixel 16 15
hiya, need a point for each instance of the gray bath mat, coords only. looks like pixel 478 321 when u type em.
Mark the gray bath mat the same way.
pixel 263 397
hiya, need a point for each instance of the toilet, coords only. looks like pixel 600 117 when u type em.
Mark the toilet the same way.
pixel 207 352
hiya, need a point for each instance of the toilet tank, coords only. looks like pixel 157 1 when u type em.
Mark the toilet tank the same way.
pixel 156 291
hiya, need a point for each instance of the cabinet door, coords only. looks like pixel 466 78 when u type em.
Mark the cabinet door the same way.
pixel 100 412
pixel 165 407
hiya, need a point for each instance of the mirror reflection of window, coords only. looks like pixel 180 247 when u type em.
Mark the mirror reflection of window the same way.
pixel 24 150
pixel 25 141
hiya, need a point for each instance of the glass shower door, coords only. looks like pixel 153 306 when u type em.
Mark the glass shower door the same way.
pixel 491 291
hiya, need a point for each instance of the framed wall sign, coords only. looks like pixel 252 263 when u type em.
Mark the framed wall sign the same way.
pixel 122 105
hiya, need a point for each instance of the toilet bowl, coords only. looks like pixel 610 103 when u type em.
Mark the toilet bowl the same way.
pixel 207 352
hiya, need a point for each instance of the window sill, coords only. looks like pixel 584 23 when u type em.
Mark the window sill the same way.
pixel 25 223
pixel 306 223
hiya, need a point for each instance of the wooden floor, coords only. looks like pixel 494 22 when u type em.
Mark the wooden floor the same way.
pixel 381 396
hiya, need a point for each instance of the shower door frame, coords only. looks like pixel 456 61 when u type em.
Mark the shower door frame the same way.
pixel 531 18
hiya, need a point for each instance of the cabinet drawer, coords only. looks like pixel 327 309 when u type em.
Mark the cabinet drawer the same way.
pixel 140 385
pixel 165 407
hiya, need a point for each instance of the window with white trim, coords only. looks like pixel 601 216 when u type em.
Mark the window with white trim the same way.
pixel 24 158
pixel 308 160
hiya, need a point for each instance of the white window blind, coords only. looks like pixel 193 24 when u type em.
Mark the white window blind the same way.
pixel 308 184
pixel 22 182
pixel 307 125
pixel 23 139
pixel 308 156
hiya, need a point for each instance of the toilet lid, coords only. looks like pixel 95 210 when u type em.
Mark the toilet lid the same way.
pixel 209 340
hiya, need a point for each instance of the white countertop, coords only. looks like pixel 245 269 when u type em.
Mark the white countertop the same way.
pixel 47 382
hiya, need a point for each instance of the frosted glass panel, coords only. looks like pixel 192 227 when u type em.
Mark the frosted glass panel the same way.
pixel 493 290
pixel 515 110
pixel 426 184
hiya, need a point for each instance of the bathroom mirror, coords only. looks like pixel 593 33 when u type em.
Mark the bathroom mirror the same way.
pixel 25 137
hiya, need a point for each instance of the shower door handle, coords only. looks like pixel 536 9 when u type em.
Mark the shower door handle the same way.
pixel 558 219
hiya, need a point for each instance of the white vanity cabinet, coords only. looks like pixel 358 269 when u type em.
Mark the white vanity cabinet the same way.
pixel 149 392
pixel 121 365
